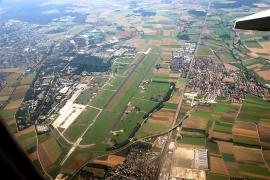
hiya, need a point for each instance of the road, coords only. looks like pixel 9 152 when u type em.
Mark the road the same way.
pixel 165 147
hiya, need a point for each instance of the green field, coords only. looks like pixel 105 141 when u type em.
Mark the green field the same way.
pixel 253 44
pixel 246 140
pixel 8 114
pixel 221 107
pixel 228 157
pixel 28 142
pixel 152 37
pixel 223 127
pixel 254 169
pixel 212 176
pixel 53 149
pixel 226 57
pixel 187 139
pixel 151 129
pixel 255 109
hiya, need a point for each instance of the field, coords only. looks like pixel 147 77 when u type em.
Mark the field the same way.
pixel 49 152
pixel 245 132
pixel 111 161
pixel 222 123
pixel 80 124
pixel 255 110
pixel 264 133
pixel 217 166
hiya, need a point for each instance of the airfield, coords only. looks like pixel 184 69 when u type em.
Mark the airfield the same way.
pixel 95 119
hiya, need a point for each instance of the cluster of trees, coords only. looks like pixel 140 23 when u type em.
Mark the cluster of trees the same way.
pixel 90 64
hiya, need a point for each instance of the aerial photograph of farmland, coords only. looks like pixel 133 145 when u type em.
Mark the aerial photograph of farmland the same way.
pixel 136 89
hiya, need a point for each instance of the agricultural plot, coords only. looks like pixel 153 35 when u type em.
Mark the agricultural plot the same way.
pixel 13 104
pixel 150 129
pixel 223 127
pixel 255 110
pixel 217 166
pixel 8 114
pixel 259 68
pixel 252 44
pixel 245 155
pixel 246 133
pixel 27 140
pixel 195 123
pixel 49 152
pixel 193 140
pixel 264 133
pixel 226 57
pixel 213 176
pixel 76 159
pixel 212 147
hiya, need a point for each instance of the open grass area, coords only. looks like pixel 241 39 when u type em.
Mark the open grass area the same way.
pixel 81 123
pixel 127 123
pixel 154 92
pixel 99 131
pixel 143 104
pixel 120 100
pixel 150 129
pixel 101 99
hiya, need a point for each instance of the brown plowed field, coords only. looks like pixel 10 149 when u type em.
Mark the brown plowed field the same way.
pixel 33 156
pixel 233 169
pixel 242 128
pixel 195 123
pixel 112 161
pixel 251 156
pixel 25 131
pixel 162 117
pixel 217 166
pixel 264 74
pixel 14 105
pixel 264 133
pixel 13 70
pixel 220 135
pixel 225 147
